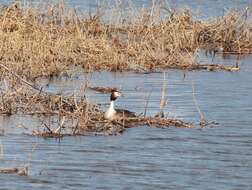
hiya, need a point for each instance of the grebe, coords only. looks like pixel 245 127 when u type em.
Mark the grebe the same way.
pixel 112 113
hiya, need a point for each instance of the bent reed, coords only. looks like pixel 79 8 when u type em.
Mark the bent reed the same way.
pixel 37 43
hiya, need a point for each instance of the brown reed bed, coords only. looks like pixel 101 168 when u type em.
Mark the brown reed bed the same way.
pixel 73 116
pixel 50 42
pixel 62 116
pixel 231 32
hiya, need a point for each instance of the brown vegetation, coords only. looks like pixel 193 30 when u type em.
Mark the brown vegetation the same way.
pixel 232 33
pixel 67 115
pixel 74 116
pixel 35 43
pixel 42 43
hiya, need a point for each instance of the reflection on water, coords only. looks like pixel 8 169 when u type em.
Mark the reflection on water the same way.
pixel 145 158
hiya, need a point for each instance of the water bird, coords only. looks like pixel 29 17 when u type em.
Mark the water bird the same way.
pixel 112 113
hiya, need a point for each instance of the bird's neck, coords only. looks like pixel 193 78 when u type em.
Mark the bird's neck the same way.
pixel 111 107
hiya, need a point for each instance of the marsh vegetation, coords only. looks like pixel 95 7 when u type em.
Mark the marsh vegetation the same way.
pixel 53 41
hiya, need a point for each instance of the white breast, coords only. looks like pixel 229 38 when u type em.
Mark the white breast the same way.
pixel 110 113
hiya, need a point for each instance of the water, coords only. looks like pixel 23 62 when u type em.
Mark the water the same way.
pixel 146 158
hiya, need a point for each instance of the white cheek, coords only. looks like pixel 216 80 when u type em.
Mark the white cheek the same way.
pixel 117 94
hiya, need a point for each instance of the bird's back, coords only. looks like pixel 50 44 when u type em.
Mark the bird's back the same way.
pixel 124 113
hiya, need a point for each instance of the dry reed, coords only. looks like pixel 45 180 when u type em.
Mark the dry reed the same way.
pixel 37 43
pixel 231 33
pixel 73 116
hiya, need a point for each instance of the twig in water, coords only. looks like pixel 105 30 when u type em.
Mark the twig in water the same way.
pixel 48 128
pixel 58 130
pixel 203 121
pixel 237 60
pixel 147 103
pixel 1 150
pixel 24 171
pixel 163 100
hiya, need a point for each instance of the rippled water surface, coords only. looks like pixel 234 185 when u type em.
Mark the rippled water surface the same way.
pixel 146 158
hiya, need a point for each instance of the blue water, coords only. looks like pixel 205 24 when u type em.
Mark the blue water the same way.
pixel 145 158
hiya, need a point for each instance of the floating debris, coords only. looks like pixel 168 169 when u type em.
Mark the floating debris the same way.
pixel 19 171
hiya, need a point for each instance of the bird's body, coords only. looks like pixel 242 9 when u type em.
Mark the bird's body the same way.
pixel 112 113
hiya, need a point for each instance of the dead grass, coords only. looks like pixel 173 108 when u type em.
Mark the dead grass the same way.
pixel 35 43
pixel 38 43
pixel 232 32
pixel 73 116
pixel 63 116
